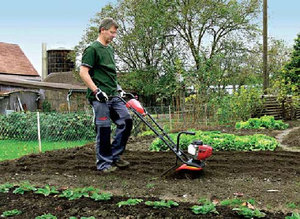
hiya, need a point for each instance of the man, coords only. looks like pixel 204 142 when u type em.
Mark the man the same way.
pixel 98 71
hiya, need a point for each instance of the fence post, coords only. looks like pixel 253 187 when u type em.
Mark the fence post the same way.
pixel 39 132
pixel 170 117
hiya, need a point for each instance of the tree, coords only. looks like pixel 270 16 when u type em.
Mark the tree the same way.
pixel 208 38
pixel 214 32
pixel 293 66
pixel 143 46
pixel 286 84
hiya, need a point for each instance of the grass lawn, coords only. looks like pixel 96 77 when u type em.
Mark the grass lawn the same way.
pixel 12 149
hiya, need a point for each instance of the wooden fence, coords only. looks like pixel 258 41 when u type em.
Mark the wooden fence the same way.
pixel 280 110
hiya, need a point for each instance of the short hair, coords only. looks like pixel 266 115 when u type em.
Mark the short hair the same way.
pixel 107 23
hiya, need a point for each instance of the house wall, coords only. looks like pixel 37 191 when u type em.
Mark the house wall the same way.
pixel 29 101
pixel 58 101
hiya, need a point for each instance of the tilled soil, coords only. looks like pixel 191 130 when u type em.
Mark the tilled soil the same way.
pixel 272 179
pixel 33 205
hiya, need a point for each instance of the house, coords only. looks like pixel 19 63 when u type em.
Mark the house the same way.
pixel 14 65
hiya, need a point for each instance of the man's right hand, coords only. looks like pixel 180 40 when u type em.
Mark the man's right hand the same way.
pixel 100 95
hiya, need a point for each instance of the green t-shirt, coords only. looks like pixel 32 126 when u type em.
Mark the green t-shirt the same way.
pixel 100 60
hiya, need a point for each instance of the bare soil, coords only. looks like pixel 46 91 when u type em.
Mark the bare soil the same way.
pixel 293 139
pixel 272 179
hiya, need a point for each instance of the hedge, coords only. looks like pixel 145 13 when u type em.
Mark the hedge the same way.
pixel 53 126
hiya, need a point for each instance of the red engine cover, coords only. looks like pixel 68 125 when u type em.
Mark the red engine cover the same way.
pixel 133 103
pixel 205 151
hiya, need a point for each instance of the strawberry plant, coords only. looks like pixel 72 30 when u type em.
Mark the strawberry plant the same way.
pixel 101 197
pixel 24 187
pixel 293 205
pixel 11 213
pixel 249 213
pixel 77 193
pixel 46 216
pixel 161 204
pixel 293 216
pixel 130 201
pixel 4 188
pixel 47 190
pixel 204 209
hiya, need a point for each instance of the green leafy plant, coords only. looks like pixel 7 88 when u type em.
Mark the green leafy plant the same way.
pixel 146 133
pixel 46 216
pixel 204 201
pixel 293 216
pixel 130 201
pixel 4 188
pixel 11 213
pixel 77 193
pixel 47 190
pixel 221 141
pixel 161 204
pixel 101 197
pixel 292 205
pixel 150 185
pixel 264 122
pixel 24 187
pixel 249 213
pixel 241 105
pixel 204 209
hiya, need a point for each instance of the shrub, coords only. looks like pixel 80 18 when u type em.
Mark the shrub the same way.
pixel 241 105
pixel 263 122
pixel 221 141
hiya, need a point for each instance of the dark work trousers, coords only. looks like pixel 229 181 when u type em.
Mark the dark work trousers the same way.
pixel 116 111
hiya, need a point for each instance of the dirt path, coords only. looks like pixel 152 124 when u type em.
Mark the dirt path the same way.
pixel 281 136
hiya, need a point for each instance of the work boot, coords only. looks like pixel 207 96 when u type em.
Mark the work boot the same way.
pixel 121 163
pixel 109 169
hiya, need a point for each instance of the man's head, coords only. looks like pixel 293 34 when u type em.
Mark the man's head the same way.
pixel 108 30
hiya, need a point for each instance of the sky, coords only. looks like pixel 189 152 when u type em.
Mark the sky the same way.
pixel 63 22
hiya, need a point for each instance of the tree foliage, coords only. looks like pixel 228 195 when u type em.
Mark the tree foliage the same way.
pixel 204 45
pixel 287 82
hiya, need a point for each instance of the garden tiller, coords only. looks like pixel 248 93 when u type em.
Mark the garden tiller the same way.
pixel 193 161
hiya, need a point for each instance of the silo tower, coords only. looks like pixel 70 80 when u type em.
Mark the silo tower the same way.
pixel 58 60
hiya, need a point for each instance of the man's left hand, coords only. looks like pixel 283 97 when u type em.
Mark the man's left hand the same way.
pixel 122 93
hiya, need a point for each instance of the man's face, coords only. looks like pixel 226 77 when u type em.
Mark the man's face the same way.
pixel 110 34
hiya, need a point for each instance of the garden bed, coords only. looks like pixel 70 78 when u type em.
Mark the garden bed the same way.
pixel 84 207
pixel 271 178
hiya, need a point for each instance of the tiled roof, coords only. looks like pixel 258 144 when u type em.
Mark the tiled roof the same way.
pixel 14 61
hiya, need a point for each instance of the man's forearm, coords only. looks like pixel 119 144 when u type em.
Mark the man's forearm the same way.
pixel 84 74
